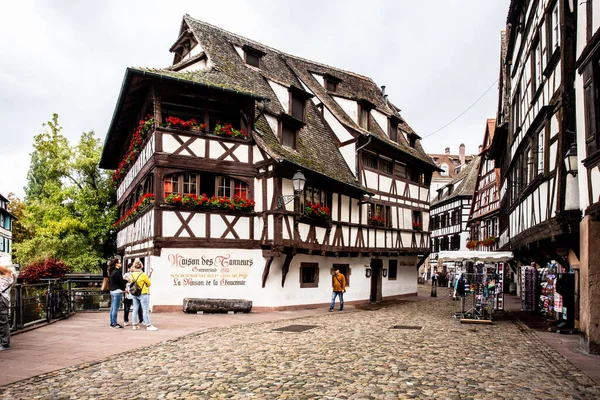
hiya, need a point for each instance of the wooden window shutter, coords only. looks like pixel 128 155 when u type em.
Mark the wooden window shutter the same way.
pixel 590 106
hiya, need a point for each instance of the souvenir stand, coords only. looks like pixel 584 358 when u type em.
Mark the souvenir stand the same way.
pixel 480 287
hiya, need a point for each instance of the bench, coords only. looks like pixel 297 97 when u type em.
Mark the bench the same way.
pixel 194 305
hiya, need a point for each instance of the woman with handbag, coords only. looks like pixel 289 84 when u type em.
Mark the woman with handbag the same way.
pixel 117 286
pixel 138 277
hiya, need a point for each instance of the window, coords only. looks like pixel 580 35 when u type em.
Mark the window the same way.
pixel 315 195
pixel 189 184
pixel 171 184
pixel 231 187
pixel 536 68
pixel 417 218
pixel 344 270
pixel 455 242
pixel 412 140
pixel 400 170
pixel 289 135
pixel 555 39
pixel 455 217
pixel 516 111
pixel 369 160
pixel 385 165
pixel 330 85
pixel 393 130
pixel 591 87
pixel 393 270
pixel 363 116
pixel 381 211
pixel 540 151
pixel 309 275
pixel 445 169
pixel 298 105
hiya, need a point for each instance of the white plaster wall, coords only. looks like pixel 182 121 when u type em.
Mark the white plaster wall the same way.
pixel 178 273
pixel 571 193
pixel 273 124
pixel 349 154
pixel 371 180
pixel 287 188
pixel 257 156
pixel 552 156
pixel 338 129
pixel 350 107
pixel 584 202
pixel 197 49
pixel 345 208
pixel 171 224
pixel 258 198
pixel 282 93
pixel 240 51
pixel 381 120
pixel 319 79
pixel 199 64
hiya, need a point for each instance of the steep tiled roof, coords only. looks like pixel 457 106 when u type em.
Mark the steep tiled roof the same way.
pixel 449 159
pixel 290 70
pixel 466 179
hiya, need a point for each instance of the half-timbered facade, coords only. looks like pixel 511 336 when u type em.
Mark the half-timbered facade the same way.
pixel 449 213
pixel 587 86
pixel 450 166
pixel 6 219
pixel 542 203
pixel 485 205
pixel 205 152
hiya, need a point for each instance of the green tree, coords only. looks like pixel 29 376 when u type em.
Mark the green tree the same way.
pixel 69 202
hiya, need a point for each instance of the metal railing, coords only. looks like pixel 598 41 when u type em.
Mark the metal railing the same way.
pixel 53 299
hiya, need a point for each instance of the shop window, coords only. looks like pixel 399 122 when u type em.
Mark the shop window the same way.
pixel 309 275
pixel 344 270
pixel 393 270
pixel 231 187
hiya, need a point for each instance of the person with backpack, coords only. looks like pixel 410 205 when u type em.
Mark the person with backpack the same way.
pixel 128 299
pixel 139 289
pixel 117 286
pixel 7 280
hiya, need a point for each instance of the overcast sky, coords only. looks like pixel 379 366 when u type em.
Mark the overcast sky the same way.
pixel 435 57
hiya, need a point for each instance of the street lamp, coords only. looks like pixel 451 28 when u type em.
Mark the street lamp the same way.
pixel 571 160
pixel 298 181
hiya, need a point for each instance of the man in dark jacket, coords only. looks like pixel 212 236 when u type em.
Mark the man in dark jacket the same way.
pixel 117 286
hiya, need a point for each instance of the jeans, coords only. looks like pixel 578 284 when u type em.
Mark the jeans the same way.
pixel 115 301
pixel 142 300
pixel 333 296
pixel 127 305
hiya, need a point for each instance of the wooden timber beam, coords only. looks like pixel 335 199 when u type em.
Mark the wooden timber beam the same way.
pixel 286 267
pixel 266 271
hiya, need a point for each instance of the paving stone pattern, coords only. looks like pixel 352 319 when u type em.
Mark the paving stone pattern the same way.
pixel 353 354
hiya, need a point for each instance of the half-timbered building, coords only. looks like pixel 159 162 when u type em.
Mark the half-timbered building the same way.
pixel 587 85
pixel 6 219
pixel 207 154
pixel 485 205
pixel 450 166
pixel 542 203
pixel 449 213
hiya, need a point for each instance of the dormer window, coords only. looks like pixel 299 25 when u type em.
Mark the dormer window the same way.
pixel 297 103
pixel 253 56
pixel 289 135
pixel 393 130
pixel 412 141
pixel 331 82
pixel 364 110
pixel 445 169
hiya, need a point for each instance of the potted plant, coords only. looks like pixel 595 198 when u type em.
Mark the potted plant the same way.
pixel 418 226
pixel 471 244
pixel 376 220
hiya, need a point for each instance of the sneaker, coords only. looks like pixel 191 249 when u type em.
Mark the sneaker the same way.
pixel 151 328
pixel 331 310
pixel 126 323
pixel 118 326
pixel 341 309
pixel 7 347
pixel 135 327
pixel 113 327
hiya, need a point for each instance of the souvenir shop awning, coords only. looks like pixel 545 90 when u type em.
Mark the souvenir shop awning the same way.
pixel 483 256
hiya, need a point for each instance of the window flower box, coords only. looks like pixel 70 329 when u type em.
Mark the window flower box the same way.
pixel 472 244
pixel 236 203
pixel 377 220
pixel 142 203
pixel 175 122
pixel 418 226
pixel 135 146
pixel 227 130
pixel 489 241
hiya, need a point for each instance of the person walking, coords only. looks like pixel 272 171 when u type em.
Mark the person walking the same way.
pixel 138 276
pixel 7 280
pixel 339 288
pixel 117 286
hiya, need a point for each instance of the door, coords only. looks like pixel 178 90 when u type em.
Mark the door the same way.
pixel 376 266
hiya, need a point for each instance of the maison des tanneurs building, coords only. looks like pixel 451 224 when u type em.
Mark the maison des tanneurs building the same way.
pixel 207 154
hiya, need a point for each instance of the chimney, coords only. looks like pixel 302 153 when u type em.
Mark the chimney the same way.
pixel 383 90
pixel 461 153
pixel 385 99
pixel 447 150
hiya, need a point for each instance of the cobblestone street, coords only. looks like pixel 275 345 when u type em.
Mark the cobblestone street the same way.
pixel 347 355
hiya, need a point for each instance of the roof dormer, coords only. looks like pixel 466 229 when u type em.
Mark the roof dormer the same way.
pixel 330 82
pixel 253 56
pixel 183 46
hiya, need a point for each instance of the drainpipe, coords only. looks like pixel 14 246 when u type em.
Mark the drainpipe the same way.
pixel 359 149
